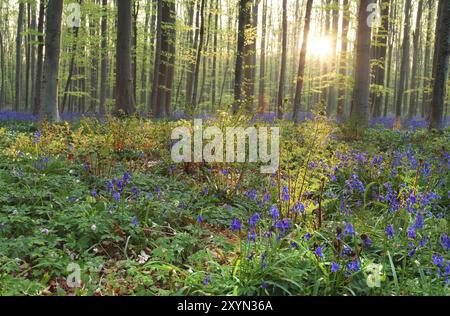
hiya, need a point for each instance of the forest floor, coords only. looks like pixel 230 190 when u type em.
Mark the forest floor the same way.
pixel 89 208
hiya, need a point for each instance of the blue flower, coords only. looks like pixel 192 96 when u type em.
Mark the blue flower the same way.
pixel 134 221
pixel 236 225
pixel 254 220
pixel 37 137
pixel 251 236
pixel 437 260
pixel 353 266
pixel 20 154
pixel 274 213
pixel 286 195
pixel 319 252
pixel 390 232
pixel 412 233
pixel 263 262
pixel 294 245
pixel 200 219
pixel 308 236
pixel 335 267
pixel 445 241
pixel 116 196
pixel 349 229
pixel 94 193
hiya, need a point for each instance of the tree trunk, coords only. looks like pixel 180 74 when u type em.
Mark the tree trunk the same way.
pixel 124 81
pixel 104 58
pixel 405 62
pixel 71 68
pixel 331 105
pixel 360 106
pixel 244 21
pixel 154 107
pixel 40 61
pixel 18 100
pixel 171 52
pixel 262 63
pixel 383 34
pixel 282 82
pixel 3 71
pixel 440 67
pixel 412 111
pixel 193 102
pixel 144 55
pixel 426 68
pixel 52 53
pixel 343 62
pixel 214 65
pixel 134 41
pixel 302 63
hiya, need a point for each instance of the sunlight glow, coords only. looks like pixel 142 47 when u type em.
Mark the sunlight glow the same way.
pixel 319 47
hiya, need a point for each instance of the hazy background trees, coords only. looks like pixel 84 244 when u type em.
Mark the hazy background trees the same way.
pixel 167 57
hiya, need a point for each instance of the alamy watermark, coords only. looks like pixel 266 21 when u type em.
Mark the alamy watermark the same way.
pixel 207 145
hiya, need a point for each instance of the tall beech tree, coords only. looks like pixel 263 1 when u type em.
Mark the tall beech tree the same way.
pixel 51 64
pixel 125 102
pixel 440 66
pixel 359 114
pixel 302 63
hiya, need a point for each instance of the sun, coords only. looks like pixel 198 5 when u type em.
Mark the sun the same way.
pixel 319 47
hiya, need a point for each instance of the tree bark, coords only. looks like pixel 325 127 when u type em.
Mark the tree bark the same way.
pixel 124 81
pixel 302 63
pixel 360 106
pixel 440 68
pixel 104 57
pixel 282 80
pixel 52 54
pixel 39 61
pixel 17 99
pixel 405 62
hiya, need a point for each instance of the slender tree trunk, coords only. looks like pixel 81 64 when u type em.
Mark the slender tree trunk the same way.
pixel 244 21
pixel 18 100
pixel 71 68
pixel 193 102
pixel 383 34
pixel 124 81
pixel 343 61
pixel 144 55
pixel 332 95
pixel 440 67
pixel 262 63
pixel 40 61
pixel 405 62
pixel 193 50
pixel 214 65
pixel 282 82
pixel 104 58
pixel 302 63
pixel 426 68
pixel 3 71
pixel 134 41
pixel 171 52
pixel 360 106
pixel 155 85
pixel 52 53
pixel 412 111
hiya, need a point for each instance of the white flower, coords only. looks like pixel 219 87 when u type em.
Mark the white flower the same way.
pixel 143 257
pixel 94 227
pixel 45 231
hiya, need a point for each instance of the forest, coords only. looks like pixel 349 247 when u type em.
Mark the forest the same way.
pixel 116 118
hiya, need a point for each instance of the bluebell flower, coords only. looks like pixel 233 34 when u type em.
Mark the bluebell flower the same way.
pixel 126 177
pixel 116 196
pixel 390 232
pixel 412 233
pixel 308 236
pixel 286 196
pixel 419 221
pixel 254 220
pixel 354 265
pixel 294 245
pixel 20 154
pixel 236 225
pixel 445 241
pixel 319 252
pixel 94 193
pixel 251 236
pixel 37 137
pixel 334 267
pixel 437 260
pixel 263 262
pixel 200 219
pixel 274 213
pixel 134 221
pixel 349 230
